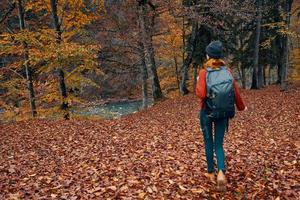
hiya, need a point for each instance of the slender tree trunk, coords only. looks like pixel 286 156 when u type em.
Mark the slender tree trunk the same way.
pixel 284 69
pixel 149 53
pixel 257 72
pixel 270 76
pixel 26 62
pixel 145 86
pixel 279 71
pixel 188 60
pixel 278 45
pixel 241 71
pixel 244 85
pixel 264 74
pixel 183 39
pixel 144 75
pixel 195 76
pixel 62 85
pixel 241 65
pixel 177 75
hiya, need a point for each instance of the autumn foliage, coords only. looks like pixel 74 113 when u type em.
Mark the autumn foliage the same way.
pixel 61 56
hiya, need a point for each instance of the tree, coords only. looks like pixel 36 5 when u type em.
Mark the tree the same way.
pixel 26 61
pixel 61 74
pixel 188 60
pixel 284 70
pixel 257 77
pixel 46 49
pixel 147 41
pixel 144 75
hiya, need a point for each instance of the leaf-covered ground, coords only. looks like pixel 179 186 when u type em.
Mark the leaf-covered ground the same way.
pixel 155 154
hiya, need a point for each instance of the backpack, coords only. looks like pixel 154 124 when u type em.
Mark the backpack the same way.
pixel 220 93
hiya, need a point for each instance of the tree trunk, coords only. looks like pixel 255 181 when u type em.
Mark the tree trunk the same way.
pixel 243 77
pixel 188 59
pixel 279 71
pixel 183 38
pixel 265 75
pixel 257 70
pixel 270 76
pixel 195 76
pixel 62 85
pixel 144 75
pixel 177 75
pixel 241 71
pixel 284 69
pixel 279 61
pixel 145 86
pixel 149 53
pixel 26 62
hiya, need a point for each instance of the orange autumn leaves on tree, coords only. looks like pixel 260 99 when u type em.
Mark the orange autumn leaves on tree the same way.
pixel 295 54
pixel 75 53
pixel 169 50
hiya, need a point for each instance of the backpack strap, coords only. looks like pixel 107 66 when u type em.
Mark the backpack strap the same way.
pixel 209 69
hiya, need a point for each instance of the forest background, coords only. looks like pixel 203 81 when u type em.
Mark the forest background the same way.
pixel 60 54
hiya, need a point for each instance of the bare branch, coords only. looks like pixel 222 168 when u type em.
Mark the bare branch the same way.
pixel 18 74
pixel 12 7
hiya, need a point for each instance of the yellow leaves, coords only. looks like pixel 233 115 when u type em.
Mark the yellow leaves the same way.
pixel 37 5
pixel 77 20
pixel 169 44
pixel 79 81
pixel 295 71
pixel 267 43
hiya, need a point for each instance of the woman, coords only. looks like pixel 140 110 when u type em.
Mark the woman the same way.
pixel 214 55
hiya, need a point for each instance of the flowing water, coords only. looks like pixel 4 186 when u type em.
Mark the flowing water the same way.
pixel 109 111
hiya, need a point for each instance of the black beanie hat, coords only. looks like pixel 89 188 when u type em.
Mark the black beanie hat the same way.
pixel 215 49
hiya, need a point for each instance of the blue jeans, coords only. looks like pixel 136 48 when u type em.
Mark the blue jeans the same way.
pixel 215 144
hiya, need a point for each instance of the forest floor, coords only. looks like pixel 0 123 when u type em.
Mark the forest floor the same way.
pixel 155 154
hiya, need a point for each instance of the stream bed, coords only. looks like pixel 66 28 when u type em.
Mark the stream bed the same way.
pixel 110 110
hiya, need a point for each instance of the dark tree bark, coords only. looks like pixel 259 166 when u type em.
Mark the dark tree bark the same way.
pixel 244 82
pixel 242 74
pixel 265 74
pixel 284 69
pixel 26 61
pixel 149 52
pixel 279 46
pixel 177 75
pixel 279 71
pixel 195 66
pixel 270 75
pixel 144 75
pixel 62 85
pixel 257 77
pixel 183 38
pixel 188 59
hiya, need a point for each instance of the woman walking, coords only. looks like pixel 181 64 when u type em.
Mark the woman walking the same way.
pixel 218 93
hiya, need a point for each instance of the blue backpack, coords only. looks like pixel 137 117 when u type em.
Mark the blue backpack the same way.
pixel 220 93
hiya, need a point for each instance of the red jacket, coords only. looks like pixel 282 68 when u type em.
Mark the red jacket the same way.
pixel 201 84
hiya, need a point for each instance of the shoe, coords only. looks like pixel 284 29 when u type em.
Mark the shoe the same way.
pixel 211 177
pixel 221 182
